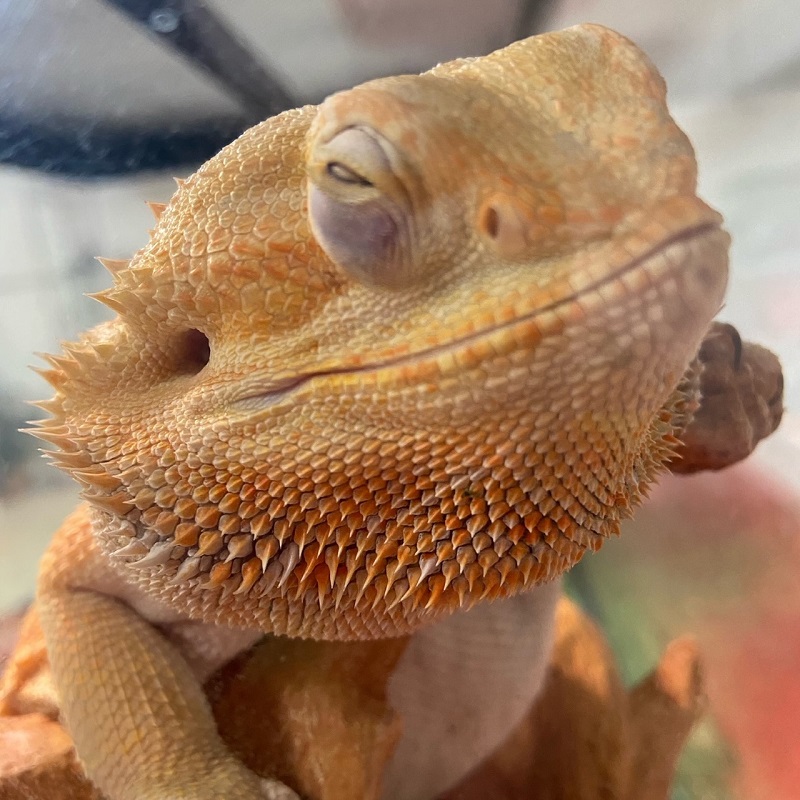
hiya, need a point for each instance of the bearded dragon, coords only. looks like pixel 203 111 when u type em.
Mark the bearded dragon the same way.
pixel 415 349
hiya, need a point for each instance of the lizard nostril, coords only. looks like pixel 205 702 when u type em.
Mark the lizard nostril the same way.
pixel 491 222
pixel 194 353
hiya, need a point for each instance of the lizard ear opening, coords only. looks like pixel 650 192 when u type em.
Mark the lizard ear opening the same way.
pixel 194 352
pixel 505 223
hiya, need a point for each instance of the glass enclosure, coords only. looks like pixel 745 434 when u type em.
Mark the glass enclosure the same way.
pixel 103 102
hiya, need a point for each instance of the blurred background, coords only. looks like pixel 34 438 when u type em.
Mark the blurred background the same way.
pixel 103 101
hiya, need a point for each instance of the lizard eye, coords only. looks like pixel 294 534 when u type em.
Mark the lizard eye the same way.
pixel 341 172
pixel 356 156
pixel 355 206
pixel 361 238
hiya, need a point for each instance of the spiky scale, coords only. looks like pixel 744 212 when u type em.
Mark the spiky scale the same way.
pixel 49 406
pixel 218 575
pixel 289 558
pixel 272 575
pixel 210 543
pixel 189 568
pixel 55 377
pixel 126 302
pixel 114 265
pixel 117 504
pixel 156 208
pixel 133 548
pixel 251 572
pixel 96 478
pixel 158 555
pixel 70 460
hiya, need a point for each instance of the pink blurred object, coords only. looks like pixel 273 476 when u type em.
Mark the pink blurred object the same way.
pixel 727 547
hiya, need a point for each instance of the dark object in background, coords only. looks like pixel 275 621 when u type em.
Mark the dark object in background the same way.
pixel 191 28
pixel 101 87
pixel 89 148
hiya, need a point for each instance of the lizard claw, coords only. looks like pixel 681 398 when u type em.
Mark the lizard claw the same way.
pixel 274 790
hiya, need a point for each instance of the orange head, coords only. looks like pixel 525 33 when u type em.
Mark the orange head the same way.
pixel 412 348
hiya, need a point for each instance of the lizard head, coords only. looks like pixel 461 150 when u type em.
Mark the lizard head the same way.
pixel 413 348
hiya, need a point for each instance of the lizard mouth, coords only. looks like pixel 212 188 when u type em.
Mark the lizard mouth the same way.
pixel 655 264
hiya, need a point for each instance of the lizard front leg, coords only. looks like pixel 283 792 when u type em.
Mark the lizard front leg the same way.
pixel 741 391
pixel 131 700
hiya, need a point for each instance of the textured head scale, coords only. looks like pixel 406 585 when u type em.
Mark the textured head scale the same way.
pixel 413 348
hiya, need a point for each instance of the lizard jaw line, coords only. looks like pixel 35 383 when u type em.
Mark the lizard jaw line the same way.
pixel 259 400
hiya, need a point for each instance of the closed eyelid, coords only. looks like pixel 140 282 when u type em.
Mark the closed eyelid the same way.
pixel 358 150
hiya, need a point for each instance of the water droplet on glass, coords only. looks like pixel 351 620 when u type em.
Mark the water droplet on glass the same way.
pixel 163 20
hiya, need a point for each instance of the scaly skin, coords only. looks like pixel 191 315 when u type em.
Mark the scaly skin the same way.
pixel 447 320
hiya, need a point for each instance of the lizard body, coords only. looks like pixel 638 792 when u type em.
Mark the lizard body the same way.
pixel 419 347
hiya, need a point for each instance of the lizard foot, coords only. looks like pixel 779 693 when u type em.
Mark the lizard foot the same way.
pixel 742 402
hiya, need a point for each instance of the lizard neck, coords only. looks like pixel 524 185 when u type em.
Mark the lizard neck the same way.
pixel 461 687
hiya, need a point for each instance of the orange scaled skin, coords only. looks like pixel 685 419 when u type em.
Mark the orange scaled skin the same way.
pixel 447 320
